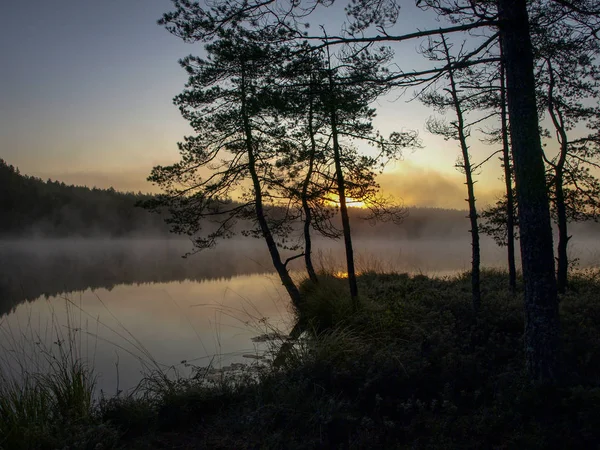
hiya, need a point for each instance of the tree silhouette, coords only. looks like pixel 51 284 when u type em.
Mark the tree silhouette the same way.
pixel 229 103
pixel 541 303
pixel 461 100
pixel 568 81
pixel 488 21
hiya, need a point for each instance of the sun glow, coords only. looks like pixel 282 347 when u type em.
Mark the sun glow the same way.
pixel 350 202
pixel 344 274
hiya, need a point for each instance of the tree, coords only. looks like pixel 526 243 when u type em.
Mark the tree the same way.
pixel 243 102
pixel 542 325
pixel 567 85
pixel 510 197
pixel 306 195
pixel 342 105
pixel 459 130
pixel 509 20
pixel 568 81
pixel 298 103
pixel 499 220
pixel 542 329
pixel 333 100
pixel 229 103
pixel 541 302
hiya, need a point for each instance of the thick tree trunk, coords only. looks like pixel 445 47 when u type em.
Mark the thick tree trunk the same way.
pixel 342 195
pixel 510 207
pixel 280 267
pixel 542 325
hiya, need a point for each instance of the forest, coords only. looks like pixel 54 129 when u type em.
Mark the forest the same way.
pixel 32 207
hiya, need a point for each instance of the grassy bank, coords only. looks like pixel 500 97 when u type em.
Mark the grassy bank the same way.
pixel 413 368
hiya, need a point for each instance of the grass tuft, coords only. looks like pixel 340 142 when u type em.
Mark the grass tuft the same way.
pixel 43 410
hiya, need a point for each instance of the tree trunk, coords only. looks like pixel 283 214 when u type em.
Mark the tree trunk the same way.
pixel 462 137
pixel 559 170
pixel 280 267
pixel 312 275
pixel 563 237
pixel 344 213
pixel 510 207
pixel 310 269
pixel 342 195
pixel 542 325
pixel 476 253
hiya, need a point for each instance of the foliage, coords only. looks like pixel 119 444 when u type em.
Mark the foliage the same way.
pixel 227 102
pixel 568 94
pixel 495 224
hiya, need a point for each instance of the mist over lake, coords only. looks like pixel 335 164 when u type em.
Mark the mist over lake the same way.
pixel 134 302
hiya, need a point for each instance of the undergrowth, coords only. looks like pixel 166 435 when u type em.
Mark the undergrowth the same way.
pixel 47 395
pixel 414 368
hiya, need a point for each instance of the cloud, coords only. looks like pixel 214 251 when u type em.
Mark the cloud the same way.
pixel 421 186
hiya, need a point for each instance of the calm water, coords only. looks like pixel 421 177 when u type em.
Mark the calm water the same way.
pixel 134 303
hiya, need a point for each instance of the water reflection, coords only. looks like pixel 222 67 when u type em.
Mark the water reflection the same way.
pixel 138 302
pixel 158 325
pixel 50 268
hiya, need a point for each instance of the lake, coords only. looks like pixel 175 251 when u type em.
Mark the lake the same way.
pixel 136 304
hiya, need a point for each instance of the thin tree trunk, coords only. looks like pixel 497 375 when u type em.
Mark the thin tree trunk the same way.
pixel 542 324
pixel 310 269
pixel 510 207
pixel 476 253
pixel 280 267
pixel 559 170
pixel 563 237
pixel 342 195
pixel 312 275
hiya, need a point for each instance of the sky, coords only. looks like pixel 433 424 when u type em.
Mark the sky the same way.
pixel 86 89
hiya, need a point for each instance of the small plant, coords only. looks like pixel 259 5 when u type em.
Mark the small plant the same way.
pixel 46 391
pixel 40 408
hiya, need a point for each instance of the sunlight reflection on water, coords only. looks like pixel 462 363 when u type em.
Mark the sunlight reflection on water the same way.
pixel 163 324
pixel 135 303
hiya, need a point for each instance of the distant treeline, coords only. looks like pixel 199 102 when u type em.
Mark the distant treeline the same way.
pixel 31 206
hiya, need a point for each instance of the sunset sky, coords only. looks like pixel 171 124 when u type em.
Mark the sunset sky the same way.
pixel 86 90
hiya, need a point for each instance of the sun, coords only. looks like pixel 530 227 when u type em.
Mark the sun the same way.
pixel 355 203
pixel 350 202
